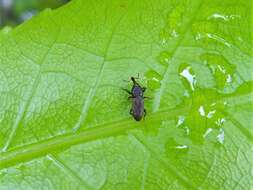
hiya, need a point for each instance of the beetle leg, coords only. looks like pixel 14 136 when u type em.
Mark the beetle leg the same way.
pixel 144 89
pixel 131 111
pixel 130 97
pixel 125 80
pixel 147 97
pixel 128 91
pixel 145 113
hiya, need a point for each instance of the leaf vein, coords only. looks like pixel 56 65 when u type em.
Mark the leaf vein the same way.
pixel 92 91
pixel 157 99
pixel 169 167
pixel 67 170
pixel 23 109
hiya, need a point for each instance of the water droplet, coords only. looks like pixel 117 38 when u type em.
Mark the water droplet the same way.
pixel 204 116
pixel 182 147
pixel 174 34
pixel 164 36
pixel 220 121
pixel 202 111
pixel 174 21
pixel 210 114
pixel 207 32
pixel 153 79
pixel 175 149
pixel 198 36
pixel 214 135
pixel 221 69
pixel 173 24
pixel 209 130
pixel 221 136
pixel 180 121
pixel 229 78
pixel 204 122
pixel 218 39
pixel 186 94
pixel 187 130
pixel 212 38
pixel 199 31
pixel 186 72
pixel 164 58
pixel 218 16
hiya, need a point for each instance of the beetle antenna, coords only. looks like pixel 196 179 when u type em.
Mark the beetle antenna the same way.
pixel 133 79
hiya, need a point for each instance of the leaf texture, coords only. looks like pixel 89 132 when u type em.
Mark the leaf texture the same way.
pixel 64 118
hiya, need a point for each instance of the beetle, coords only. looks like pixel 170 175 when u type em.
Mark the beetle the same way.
pixel 137 96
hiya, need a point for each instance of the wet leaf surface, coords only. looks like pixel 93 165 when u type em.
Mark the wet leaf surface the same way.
pixel 64 119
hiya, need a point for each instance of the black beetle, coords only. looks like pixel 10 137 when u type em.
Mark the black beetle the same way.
pixel 137 95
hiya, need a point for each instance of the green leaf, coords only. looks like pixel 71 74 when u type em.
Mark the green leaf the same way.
pixel 64 118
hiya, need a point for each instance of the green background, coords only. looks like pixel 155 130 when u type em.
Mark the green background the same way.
pixel 64 119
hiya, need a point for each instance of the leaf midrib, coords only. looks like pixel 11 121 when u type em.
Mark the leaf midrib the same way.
pixel 41 148
pixel 30 151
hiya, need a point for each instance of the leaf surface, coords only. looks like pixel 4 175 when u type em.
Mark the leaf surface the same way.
pixel 64 118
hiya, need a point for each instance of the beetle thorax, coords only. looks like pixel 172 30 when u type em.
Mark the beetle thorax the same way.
pixel 137 91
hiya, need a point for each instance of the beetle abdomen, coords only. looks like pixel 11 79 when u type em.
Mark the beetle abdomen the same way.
pixel 138 108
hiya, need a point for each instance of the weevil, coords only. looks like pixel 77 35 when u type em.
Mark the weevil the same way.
pixel 137 96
